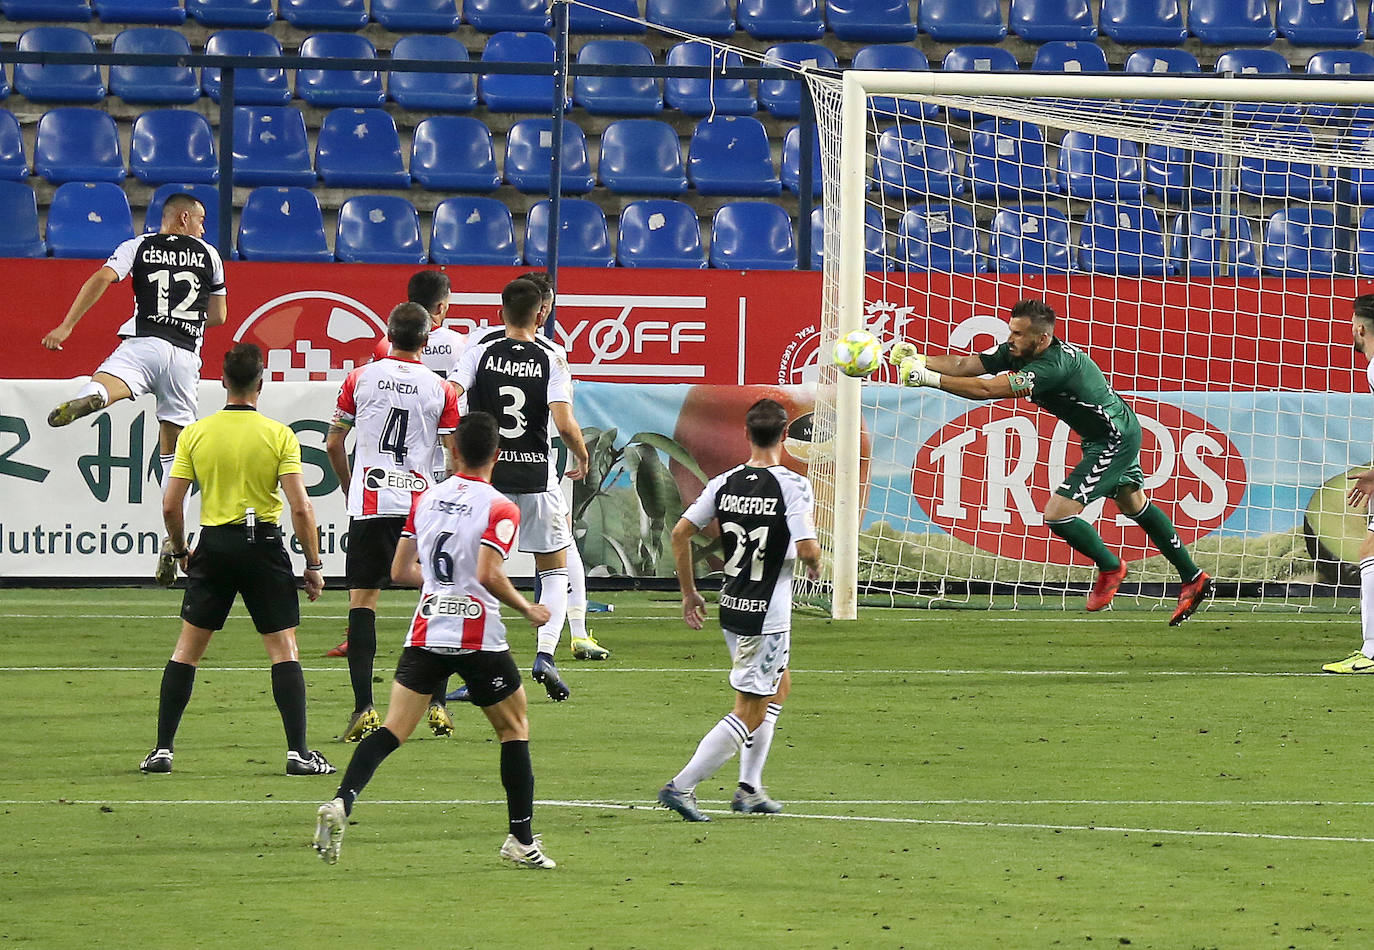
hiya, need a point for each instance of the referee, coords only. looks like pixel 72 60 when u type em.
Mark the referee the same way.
pixel 239 457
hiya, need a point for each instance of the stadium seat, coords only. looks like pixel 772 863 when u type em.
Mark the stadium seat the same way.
pixel 253 14
pixel 1098 166
pixel 730 155
pixel 583 238
pixel 208 196
pixel 337 87
pixel 781 19
pixel 752 235
pixel 642 157
pixel 471 230
pixel 19 222
pixel 270 147
pixel 4 82
pixel 282 224
pixel 77 144
pixel 168 12
pixel 1300 242
pixel 1166 171
pixel 1143 21
pixel 170 85
pixel 958 21
pixel 1275 178
pixel 699 97
pixel 1198 247
pixel 782 97
pixel 517 93
pixel 1125 240
pixel 1163 61
pixel 605 16
pixel 432 92
pixel 875 240
pixel 791 162
pixel 1030 240
pixel 529 157
pixel 1364 242
pixel 379 229
pixel 660 232
pixel 360 148
pixel 939 238
pixel 454 153
pixel 1255 62
pixel 979 59
pixel 324 14
pixel 1337 64
pixel 1043 20
pixel 697 17
pixel 1069 56
pixel 405 16
pixel 252 87
pixel 13 166
pixel 896 56
pixel 173 145
pixel 67 11
pixel 617 95
pixel 88 219
pixel 1223 22
pixel 57 82
pixel 496 16
pixel 1323 23
pixel 917 159
pixel 1008 159
pixel 871 21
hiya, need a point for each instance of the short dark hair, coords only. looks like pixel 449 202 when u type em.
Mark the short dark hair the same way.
pixel 1040 314
pixel 408 326
pixel 520 302
pixel 179 202
pixel 766 420
pixel 428 288
pixel 478 438
pixel 243 367
pixel 541 280
pixel 1364 310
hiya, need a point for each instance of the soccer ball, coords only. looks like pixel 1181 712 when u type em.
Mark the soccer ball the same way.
pixel 858 353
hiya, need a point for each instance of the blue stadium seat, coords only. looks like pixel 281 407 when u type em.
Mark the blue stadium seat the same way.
pixel 917 159
pixel 752 235
pixel 1337 64
pixel 642 157
pixel 4 82
pixel 282 224
pixel 583 238
pixel 19 222
pixel 77 144
pixel 404 16
pixel 871 21
pixel 1008 159
pixel 1198 247
pixel 1255 62
pixel 470 230
pixel 171 85
pixel 875 240
pixel 454 153
pixel 168 12
pixel 1069 56
pixel 1125 240
pixel 496 16
pixel 781 19
pixel 1364 242
pixel 208 195
pixel 782 97
pixel 232 13
pixel 517 93
pixel 1325 23
pixel 699 97
pixel 897 56
pixel 939 238
pixel 730 155
pixel 88 219
pixel 1274 178
pixel 981 59
pixel 660 232
pixel 270 147
pixel 1099 166
pixel 1166 171
pixel 431 92
pixel 379 229
pixel 698 17
pixel 605 16
pixel 360 148
pixel 57 83
pixel 1300 242
pixel 1361 140
pixel 173 145
pixel 617 95
pixel 337 87
pixel 67 11
pixel 1163 61
pixel 1030 240
pixel 1223 22
pixel 1042 20
pixel 252 87
pixel 1143 21
pixel 13 166
pixel 960 21
pixel 529 157
pixel 324 14
pixel 791 162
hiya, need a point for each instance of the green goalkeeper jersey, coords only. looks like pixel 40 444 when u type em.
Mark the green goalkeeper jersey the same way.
pixel 1064 381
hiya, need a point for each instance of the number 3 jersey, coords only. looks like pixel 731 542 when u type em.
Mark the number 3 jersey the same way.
pixel 398 408
pixel 450 523
pixel 763 513
pixel 174 276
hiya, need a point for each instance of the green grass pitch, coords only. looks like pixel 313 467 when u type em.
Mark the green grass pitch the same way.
pixel 951 779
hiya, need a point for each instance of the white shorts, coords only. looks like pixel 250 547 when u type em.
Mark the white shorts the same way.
pixel 757 663
pixel 147 364
pixel 543 522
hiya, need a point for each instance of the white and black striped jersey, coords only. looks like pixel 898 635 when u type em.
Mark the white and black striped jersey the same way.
pixel 515 381
pixel 174 276
pixel 763 513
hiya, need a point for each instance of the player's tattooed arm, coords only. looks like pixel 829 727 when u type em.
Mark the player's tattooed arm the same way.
pixel 338 454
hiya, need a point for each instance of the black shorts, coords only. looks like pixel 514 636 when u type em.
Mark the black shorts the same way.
pixel 371 548
pixel 225 564
pixel 489 676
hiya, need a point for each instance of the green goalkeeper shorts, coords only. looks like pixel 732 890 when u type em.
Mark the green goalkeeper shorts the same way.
pixel 1108 465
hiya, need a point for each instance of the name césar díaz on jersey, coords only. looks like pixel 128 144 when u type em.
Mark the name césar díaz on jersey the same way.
pixel 443 605
pixel 747 505
pixel 172 257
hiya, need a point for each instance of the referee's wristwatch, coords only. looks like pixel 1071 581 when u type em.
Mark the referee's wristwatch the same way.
pixel 315 567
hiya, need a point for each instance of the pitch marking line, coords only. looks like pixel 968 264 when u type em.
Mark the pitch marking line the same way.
pixel 698 669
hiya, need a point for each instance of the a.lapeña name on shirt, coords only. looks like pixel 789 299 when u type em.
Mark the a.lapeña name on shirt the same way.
pixel 185 257
pixel 529 369
pixel 747 505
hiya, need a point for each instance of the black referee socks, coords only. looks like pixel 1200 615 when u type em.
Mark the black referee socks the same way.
pixel 288 690
pixel 177 681
pixel 362 650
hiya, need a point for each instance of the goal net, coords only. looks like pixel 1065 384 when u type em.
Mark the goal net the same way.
pixel 1202 239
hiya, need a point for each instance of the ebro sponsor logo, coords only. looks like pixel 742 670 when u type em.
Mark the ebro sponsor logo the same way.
pixel 375 479
pixel 442 605
pixel 986 476
pixel 312 335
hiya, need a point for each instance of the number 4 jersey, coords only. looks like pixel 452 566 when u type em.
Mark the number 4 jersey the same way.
pixel 399 409
pixel 763 513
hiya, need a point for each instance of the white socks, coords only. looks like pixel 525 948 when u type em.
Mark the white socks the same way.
pixel 1367 605
pixel 553 594
pixel 755 751
pixel 713 751
pixel 577 593
pixel 93 388
pixel 167 469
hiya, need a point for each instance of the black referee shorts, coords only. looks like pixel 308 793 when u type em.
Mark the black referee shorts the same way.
pixel 489 676
pixel 371 548
pixel 225 564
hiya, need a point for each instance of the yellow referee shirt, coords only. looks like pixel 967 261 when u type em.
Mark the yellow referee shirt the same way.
pixel 237 455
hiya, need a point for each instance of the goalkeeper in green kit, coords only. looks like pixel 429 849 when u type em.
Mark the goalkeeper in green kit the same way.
pixel 1061 379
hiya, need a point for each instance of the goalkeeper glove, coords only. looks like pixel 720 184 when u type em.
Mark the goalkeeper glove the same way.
pixel 912 372
pixel 901 350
